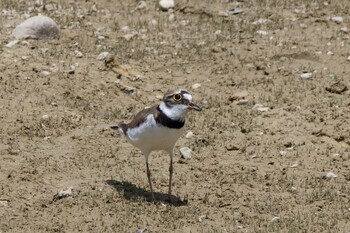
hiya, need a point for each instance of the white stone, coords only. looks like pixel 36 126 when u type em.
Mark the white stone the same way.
pixel 125 29
pixel 64 193
pixel 166 4
pixel 129 36
pixel 294 165
pixel 186 153
pixel 306 75
pixel 37 27
pixel 331 175
pixel 141 5
pixel 260 108
pixel 196 85
pixel 102 56
pixel 348 58
pixel 45 73
pixel 189 134
pixel 11 43
pixel 262 33
pixel 283 153
pixel 78 54
pixel 330 53
pixel 275 219
pixel 337 19
pixel 171 17
pixel 260 21
pixel 45 117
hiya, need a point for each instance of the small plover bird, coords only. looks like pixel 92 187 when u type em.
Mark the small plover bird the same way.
pixel 159 127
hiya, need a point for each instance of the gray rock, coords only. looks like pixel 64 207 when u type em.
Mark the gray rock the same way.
pixel 37 27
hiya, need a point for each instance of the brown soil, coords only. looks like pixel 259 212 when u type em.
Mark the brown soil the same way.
pixel 252 169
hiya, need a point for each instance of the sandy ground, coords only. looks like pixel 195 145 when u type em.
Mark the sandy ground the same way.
pixel 279 166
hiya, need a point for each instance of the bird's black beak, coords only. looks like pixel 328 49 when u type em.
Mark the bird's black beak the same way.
pixel 194 106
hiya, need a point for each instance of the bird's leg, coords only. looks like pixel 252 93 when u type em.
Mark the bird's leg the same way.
pixel 171 169
pixel 149 178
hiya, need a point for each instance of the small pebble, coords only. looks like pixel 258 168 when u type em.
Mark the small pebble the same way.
pixel 166 4
pixel 283 153
pixel 260 108
pixel 306 75
pixel 260 21
pixel 294 165
pixel 330 53
pixel 189 134
pixel 63 193
pixel 331 175
pixel 337 19
pixel 186 153
pixel 11 43
pixel 196 85
pixel 102 56
pixel 45 117
pixel 242 102
pixel 45 73
pixel 171 17
pixel 141 5
pixel 262 33
pixel 275 219
pixel 78 54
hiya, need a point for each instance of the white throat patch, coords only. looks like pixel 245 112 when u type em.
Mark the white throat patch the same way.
pixel 176 112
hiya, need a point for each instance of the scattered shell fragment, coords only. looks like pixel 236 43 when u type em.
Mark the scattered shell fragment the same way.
pixel 37 27
pixel 294 165
pixel 186 153
pixel 275 219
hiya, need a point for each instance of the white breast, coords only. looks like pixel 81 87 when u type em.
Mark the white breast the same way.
pixel 151 136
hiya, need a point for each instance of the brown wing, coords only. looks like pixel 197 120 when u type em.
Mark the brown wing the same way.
pixel 142 116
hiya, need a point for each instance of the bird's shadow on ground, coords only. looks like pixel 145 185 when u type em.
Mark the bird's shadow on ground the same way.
pixel 131 192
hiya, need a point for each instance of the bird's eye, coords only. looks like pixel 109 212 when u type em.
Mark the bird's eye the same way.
pixel 177 97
